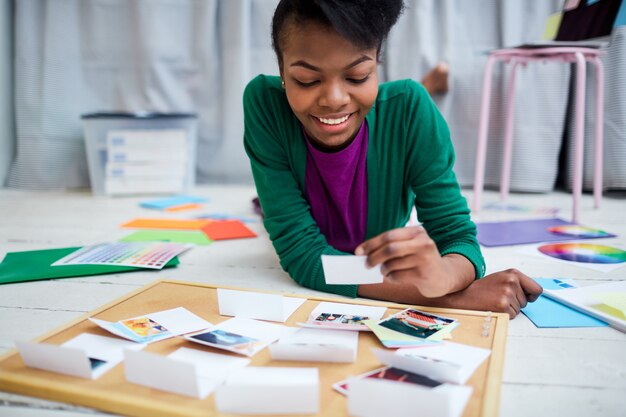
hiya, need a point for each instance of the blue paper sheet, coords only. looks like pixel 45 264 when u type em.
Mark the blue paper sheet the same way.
pixel 165 203
pixel 546 312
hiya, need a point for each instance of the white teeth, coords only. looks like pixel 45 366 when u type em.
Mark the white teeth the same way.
pixel 333 121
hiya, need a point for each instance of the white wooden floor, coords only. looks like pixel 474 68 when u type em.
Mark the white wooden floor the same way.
pixel 566 372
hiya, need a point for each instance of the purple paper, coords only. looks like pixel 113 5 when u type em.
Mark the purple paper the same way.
pixel 520 232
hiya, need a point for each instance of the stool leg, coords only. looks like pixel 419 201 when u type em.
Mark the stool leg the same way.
pixel 481 148
pixel 505 176
pixel 577 185
pixel 599 148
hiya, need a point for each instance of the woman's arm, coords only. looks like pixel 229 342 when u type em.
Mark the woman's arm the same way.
pixel 505 291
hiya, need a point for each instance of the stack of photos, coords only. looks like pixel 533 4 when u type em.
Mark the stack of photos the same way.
pixel 412 327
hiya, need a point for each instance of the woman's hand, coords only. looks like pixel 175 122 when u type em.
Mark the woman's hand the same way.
pixel 409 255
pixel 506 292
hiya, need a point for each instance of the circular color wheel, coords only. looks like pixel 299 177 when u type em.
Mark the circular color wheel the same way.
pixel 584 252
pixel 577 231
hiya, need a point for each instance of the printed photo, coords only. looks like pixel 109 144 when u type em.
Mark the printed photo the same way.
pixel 391 374
pixel 95 363
pixel 416 323
pixel 229 341
pixel 340 319
pixel 143 327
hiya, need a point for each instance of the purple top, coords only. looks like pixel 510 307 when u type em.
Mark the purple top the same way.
pixel 336 189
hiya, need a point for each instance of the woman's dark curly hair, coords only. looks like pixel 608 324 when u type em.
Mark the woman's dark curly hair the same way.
pixel 365 23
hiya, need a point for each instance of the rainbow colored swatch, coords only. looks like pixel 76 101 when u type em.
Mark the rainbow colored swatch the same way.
pixel 575 230
pixel 584 252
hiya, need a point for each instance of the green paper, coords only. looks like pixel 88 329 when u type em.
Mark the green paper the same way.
pixel 195 237
pixel 35 265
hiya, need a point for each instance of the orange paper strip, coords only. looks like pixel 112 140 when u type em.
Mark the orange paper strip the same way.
pixel 167 224
pixel 182 207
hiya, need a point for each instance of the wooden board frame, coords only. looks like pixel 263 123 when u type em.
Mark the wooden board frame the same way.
pixel 112 393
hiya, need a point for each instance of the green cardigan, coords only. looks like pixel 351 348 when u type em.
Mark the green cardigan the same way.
pixel 409 161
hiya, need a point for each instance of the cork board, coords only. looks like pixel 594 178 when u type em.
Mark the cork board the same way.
pixel 112 393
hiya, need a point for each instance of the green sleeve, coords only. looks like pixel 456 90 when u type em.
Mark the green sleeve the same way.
pixel 440 206
pixel 277 160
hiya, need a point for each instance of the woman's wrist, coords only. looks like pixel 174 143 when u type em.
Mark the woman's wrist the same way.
pixel 460 272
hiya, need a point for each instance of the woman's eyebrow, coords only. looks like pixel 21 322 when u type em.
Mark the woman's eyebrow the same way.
pixel 306 65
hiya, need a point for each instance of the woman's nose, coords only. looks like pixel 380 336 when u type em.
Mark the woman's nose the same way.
pixel 333 95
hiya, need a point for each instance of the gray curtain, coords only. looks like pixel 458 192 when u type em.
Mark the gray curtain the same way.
pixel 461 33
pixel 614 155
pixel 79 56
pixel 7 117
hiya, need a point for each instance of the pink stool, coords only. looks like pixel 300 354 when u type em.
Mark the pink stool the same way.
pixel 516 56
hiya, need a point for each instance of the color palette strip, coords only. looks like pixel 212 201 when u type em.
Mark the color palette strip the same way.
pixel 152 255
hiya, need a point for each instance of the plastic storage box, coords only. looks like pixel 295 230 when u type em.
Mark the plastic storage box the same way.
pixel 140 153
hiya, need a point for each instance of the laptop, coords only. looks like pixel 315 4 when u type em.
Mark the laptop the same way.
pixel 581 23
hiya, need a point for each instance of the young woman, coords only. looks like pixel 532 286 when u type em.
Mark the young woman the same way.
pixel 339 161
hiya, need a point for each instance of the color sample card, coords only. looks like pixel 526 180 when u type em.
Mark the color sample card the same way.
pixel 180 236
pixel 152 255
pixel 547 313
pixel 519 232
pixel 227 229
pixel 155 326
pixel 176 224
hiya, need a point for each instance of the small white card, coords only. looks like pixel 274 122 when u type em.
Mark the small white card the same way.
pixel 241 335
pixel 185 371
pixel 375 397
pixel 317 345
pixel 349 269
pixel 255 305
pixel 268 390
pixel 342 316
pixel 85 356
pixel 447 362
pixel 155 326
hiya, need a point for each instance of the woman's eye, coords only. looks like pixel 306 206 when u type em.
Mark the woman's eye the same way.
pixel 306 84
pixel 358 80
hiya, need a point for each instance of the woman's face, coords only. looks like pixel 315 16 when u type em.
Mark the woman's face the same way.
pixel 331 84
